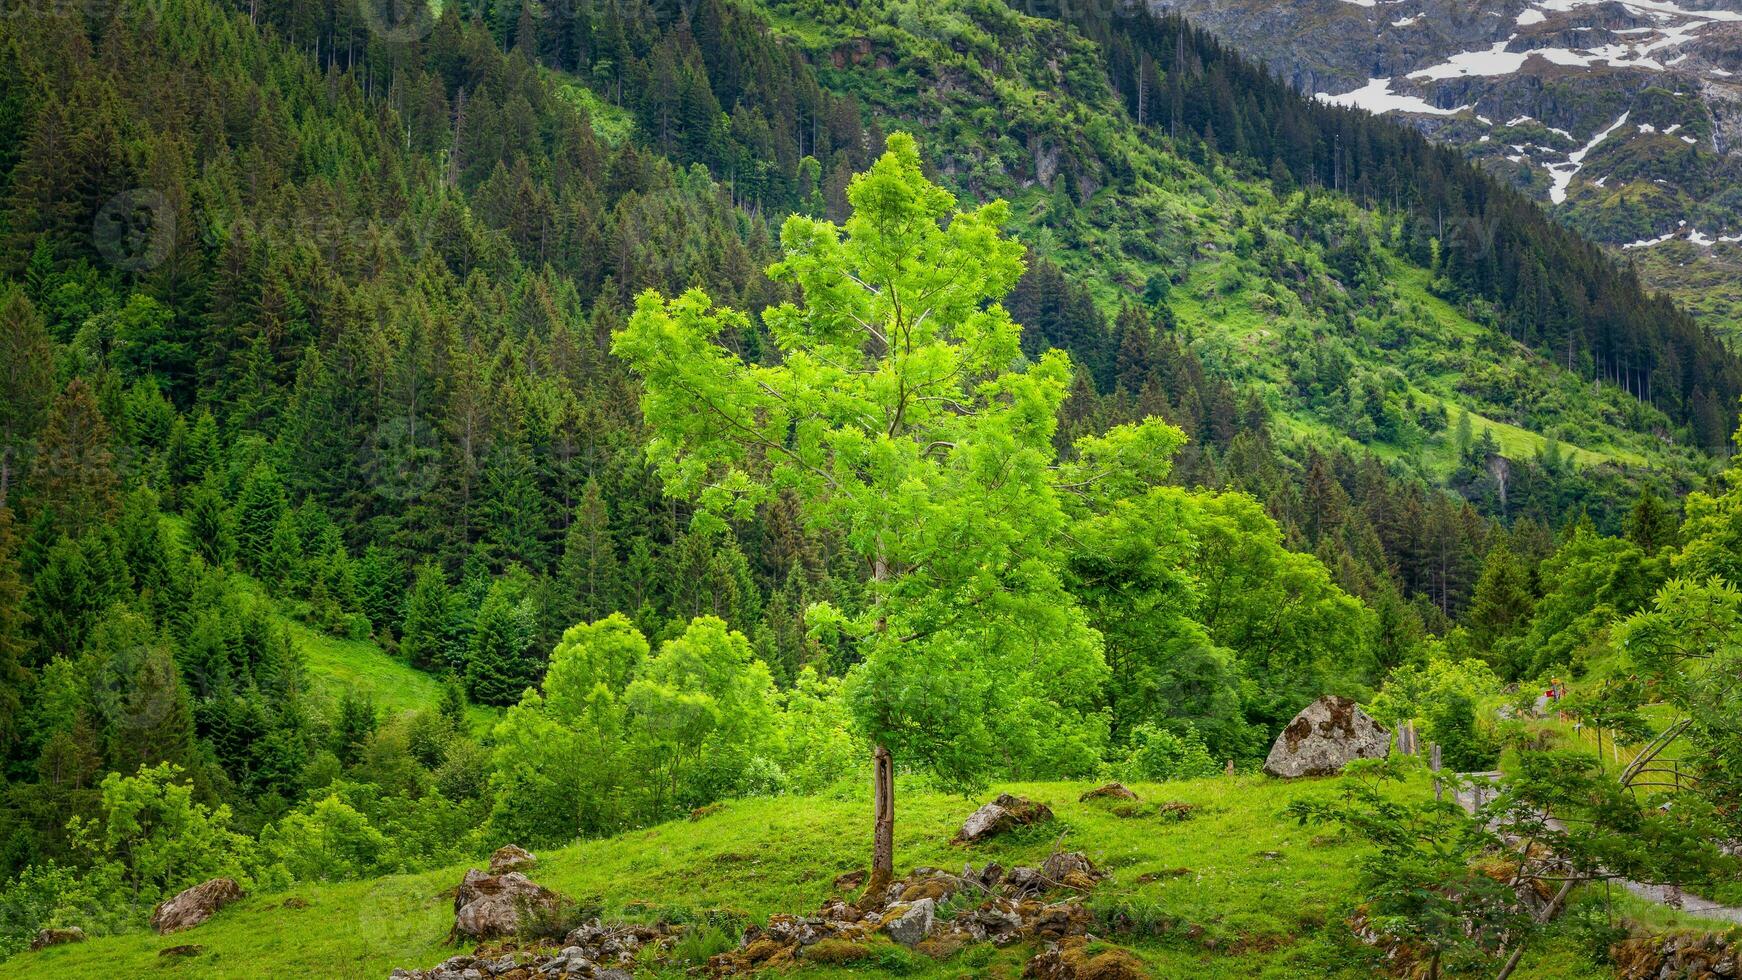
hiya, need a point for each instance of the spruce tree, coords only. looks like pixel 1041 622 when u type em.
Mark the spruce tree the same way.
pixel 208 523
pixel 356 721
pixel 62 603
pixel 15 638
pixel 74 473
pixel 1502 603
pixel 26 382
pixel 588 576
pixel 259 507
pixel 500 665
pixel 1650 524
pixel 424 640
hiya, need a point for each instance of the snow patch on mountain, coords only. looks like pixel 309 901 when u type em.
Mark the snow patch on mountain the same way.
pixel 1563 173
pixel 1376 97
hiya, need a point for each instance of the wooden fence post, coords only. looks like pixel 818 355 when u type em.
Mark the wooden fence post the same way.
pixel 1434 765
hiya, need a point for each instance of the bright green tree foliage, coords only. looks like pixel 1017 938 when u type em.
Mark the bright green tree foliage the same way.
pixel 903 416
pixel 616 735
pixel 159 836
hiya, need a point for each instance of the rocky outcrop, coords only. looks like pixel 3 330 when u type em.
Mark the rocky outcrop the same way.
pixel 1002 814
pixel 490 906
pixel 1326 736
pixel 511 858
pixel 1679 954
pixel 195 905
pixel 57 937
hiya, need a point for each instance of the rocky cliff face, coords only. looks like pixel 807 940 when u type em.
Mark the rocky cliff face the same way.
pixel 1625 116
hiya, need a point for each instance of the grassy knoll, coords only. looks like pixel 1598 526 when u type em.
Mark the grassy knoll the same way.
pixel 336 665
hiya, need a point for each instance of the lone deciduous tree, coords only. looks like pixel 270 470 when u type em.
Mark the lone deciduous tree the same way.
pixel 903 416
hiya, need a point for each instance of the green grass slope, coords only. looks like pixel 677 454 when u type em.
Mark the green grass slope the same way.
pixel 336 665
pixel 1240 890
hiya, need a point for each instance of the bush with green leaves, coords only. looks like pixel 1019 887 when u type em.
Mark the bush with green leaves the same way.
pixel 618 736
pixel 158 839
pixel 54 896
pixel 327 840
pixel 1447 698
pixel 1159 754
pixel 1423 880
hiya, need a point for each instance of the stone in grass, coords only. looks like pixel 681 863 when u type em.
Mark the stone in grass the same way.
pixel 57 937
pixel 1111 791
pixel 1326 736
pixel 1002 814
pixel 1072 869
pixel 195 905
pixel 179 952
pixel 511 858
pixel 912 924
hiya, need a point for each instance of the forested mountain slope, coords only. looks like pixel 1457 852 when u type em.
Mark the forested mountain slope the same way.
pixel 1621 117
pixel 308 314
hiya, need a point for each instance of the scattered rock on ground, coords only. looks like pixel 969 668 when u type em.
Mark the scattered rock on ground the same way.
pixel 596 951
pixel 1002 814
pixel 57 937
pixel 1071 869
pixel 195 905
pixel 489 906
pixel 511 858
pixel 991 906
pixel 1116 791
pixel 1327 735
pixel 849 881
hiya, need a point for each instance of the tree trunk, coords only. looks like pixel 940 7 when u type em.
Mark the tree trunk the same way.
pixel 883 783
pixel 883 832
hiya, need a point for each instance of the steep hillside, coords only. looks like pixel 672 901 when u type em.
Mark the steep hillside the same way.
pixel 1302 295
pixel 1623 117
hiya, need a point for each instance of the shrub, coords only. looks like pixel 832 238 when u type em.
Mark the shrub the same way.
pixel 1158 754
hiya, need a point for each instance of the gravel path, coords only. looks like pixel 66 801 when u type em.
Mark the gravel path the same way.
pixel 1471 794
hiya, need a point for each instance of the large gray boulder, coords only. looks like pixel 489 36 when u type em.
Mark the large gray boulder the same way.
pixel 491 906
pixel 1327 735
pixel 195 905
